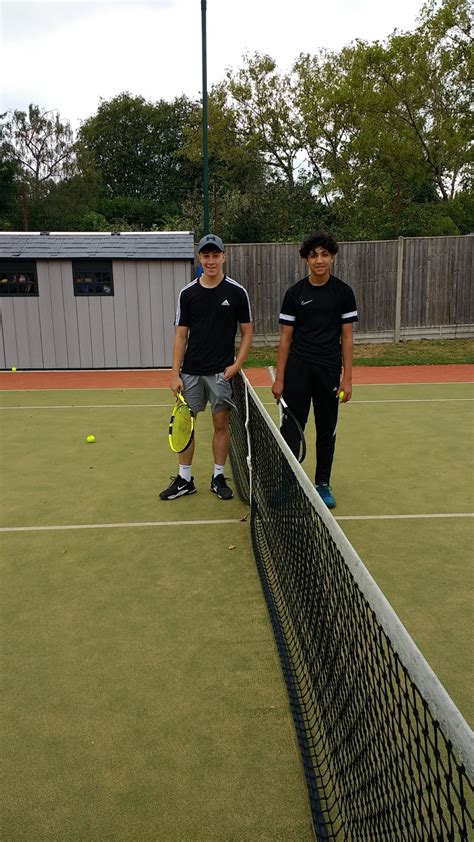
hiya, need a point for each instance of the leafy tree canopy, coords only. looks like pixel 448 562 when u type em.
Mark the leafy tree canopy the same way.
pixel 135 146
pixel 373 141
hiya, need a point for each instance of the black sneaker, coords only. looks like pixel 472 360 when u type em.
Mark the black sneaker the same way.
pixel 220 487
pixel 178 488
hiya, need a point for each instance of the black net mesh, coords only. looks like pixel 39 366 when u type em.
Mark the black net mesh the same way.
pixel 378 765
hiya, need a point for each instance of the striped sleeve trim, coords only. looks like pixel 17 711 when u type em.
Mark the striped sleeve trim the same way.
pixel 352 316
pixel 284 318
pixel 178 305
pixel 231 281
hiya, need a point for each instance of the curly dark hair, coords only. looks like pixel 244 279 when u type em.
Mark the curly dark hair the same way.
pixel 321 239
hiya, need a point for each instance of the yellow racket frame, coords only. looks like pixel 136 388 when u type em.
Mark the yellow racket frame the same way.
pixel 181 426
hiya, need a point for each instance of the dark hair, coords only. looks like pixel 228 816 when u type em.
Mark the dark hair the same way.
pixel 321 239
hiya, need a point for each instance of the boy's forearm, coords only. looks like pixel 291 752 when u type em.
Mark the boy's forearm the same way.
pixel 282 356
pixel 347 350
pixel 179 347
pixel 246 334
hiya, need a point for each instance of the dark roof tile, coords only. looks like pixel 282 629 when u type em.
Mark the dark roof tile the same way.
pixel 148 246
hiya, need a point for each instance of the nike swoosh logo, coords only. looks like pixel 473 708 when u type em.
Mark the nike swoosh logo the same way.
pixel 307 302
pixel 181 487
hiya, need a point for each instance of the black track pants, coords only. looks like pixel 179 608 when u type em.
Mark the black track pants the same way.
pixel 305 383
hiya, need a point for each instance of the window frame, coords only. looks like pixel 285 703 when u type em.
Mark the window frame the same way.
pixel 12 288
pixel 88 271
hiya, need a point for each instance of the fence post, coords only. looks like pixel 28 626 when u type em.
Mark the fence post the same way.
pixel 398 295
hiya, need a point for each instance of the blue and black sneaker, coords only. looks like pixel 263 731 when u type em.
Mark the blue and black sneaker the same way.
pixel 324 492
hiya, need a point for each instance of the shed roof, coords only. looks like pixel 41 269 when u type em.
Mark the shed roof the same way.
pixel 162 245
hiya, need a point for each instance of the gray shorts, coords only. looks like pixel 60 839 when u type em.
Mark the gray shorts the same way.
pixel 201 388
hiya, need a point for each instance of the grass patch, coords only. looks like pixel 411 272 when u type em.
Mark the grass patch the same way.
pixel 420 352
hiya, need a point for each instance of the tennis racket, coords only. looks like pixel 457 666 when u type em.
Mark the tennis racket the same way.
pixel 294 434
pixel 181 428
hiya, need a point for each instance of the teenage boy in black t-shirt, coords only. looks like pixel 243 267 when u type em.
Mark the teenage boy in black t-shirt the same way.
pixel 204 362
pixel 315 338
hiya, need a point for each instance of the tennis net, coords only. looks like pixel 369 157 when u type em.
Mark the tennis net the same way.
pixel 386 754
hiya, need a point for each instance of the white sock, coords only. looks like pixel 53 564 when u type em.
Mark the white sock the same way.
pixel 218 469
pixel 185 472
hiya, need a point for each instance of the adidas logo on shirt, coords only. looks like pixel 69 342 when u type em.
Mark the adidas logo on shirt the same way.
pixel 225 303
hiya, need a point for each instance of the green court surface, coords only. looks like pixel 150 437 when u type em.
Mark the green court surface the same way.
pixel 142 692
pixel 143 698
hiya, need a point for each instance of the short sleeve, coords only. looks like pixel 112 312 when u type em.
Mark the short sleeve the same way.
pixel 288 312
pixel 349 307
pixel 244 313
pixel 182 315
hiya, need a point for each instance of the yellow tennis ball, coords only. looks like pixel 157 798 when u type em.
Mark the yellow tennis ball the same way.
pixel 13 367
pixel 340 395
pixel 90 439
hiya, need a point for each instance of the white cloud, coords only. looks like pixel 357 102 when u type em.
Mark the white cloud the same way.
pixel 67 55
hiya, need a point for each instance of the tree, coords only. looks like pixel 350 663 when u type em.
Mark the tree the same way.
pixel 234 158
pixel 262 99
pixel 386 126
pixel 424 100
pixel 135 146
pixel 42 148
pixel 327 118
pixel 9 194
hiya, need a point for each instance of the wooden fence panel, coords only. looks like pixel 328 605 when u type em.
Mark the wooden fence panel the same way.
pixel 436 282
pixel 370 268
pixel 266 270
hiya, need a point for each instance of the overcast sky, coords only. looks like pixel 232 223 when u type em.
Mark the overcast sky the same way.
pixel 68 54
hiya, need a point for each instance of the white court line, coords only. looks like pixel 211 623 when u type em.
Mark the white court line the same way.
pixel 415 400
pixel 166 388
pixel 94 406
pixel 428 383
pixel 131 525
pixel 138 524
pixel 168 405
pixel 405 400
pixel 94 389
pixel 404 517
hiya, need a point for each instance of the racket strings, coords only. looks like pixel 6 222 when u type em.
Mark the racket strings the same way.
pixel 181 427
pixel 293 434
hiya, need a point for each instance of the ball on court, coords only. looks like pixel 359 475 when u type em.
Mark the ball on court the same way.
pixel 90 439
pixel 13 367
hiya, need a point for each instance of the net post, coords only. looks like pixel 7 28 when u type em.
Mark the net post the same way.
pixel 249 443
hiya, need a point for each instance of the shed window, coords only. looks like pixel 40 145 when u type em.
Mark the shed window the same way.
pixel 18 277
pixel 92 277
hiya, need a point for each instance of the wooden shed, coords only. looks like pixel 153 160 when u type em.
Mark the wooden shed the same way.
pixel 89 301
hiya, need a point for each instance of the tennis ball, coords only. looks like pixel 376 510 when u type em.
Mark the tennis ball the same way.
pixel 13 367
pixel 90 439
pixel 340 395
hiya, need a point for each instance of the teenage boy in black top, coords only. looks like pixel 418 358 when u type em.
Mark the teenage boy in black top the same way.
pixel 204 362
pixel 315 333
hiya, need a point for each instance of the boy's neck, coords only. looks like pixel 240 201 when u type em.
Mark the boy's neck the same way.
pixel 209 283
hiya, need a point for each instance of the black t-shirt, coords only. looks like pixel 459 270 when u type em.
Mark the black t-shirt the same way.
pixel 212 316
pixel 317 313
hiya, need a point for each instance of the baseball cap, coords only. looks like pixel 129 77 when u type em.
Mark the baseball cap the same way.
pixel 211 240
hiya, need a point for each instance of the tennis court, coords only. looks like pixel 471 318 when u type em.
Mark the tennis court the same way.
pixel 144 696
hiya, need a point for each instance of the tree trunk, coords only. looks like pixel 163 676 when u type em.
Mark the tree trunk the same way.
pixel 24 206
